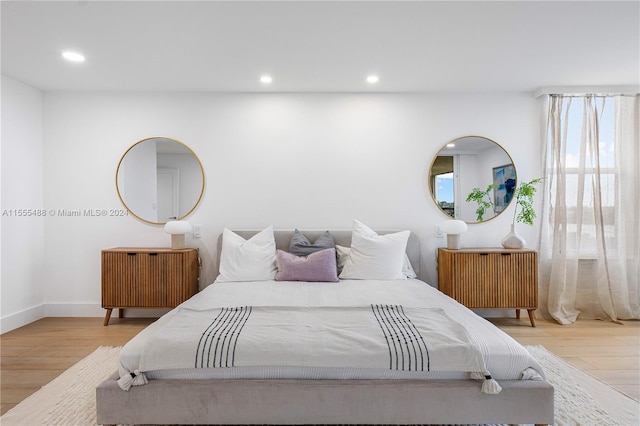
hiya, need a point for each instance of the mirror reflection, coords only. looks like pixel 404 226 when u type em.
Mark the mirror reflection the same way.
pixel 464 164
pixel 160 179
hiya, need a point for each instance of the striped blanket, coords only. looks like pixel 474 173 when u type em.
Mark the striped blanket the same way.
pixel 389 337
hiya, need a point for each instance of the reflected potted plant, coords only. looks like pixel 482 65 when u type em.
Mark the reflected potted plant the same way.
pixel 479 196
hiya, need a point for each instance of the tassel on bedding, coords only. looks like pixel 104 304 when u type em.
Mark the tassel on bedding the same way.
pixel 132 379
pixel 530 374
pixel 490 385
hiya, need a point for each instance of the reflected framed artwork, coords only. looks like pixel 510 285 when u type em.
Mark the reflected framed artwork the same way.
pixel 504 181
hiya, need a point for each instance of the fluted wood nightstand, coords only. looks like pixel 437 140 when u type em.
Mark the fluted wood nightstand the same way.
pixel 147 278
pixel 490 278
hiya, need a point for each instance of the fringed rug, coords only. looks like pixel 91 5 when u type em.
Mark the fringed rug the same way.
pixel 69 400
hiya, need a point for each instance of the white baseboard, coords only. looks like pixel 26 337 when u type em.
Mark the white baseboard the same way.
pixel 96 310
pixel 27 316
pixel 74 310
pixel 23 317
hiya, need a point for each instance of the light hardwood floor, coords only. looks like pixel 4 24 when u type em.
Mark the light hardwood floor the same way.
pixel 607 351
pixel 33 355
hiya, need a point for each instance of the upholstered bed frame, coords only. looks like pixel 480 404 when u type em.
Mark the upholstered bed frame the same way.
pixel 324 401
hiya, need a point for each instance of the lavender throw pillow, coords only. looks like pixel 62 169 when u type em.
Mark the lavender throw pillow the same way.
pixel 318 266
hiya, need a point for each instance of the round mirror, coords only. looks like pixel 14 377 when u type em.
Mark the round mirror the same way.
pixel 467 163
pixel 159 180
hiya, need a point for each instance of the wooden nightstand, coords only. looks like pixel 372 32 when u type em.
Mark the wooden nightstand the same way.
pixel 488 278
pixel 147 278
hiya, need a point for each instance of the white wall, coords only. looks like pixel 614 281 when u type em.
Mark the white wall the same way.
pixel 288 160
pixel 22 285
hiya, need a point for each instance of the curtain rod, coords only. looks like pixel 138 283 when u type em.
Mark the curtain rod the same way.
pixel 588 90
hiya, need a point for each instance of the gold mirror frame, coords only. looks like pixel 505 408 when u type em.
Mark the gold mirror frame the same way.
pixel 162 138
pixel 430 183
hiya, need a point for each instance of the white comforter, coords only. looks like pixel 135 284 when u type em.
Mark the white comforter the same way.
pixel 504 358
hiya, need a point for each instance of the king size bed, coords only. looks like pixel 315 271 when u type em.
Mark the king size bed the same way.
pixel 350 350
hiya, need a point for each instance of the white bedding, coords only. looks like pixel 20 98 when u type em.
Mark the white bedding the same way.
pixel 504 357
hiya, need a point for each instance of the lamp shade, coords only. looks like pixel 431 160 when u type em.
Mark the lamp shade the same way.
pixel 177 227
pixel 453 227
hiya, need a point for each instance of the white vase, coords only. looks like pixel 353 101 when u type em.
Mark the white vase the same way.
pixel 513 240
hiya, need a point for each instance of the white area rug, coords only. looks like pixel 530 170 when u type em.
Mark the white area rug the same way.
pixel 69 400
pixel 581 399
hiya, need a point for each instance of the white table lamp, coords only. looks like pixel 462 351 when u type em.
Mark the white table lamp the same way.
pixel 453 229
pixel 177 229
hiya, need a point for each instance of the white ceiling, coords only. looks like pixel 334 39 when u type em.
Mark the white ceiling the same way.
pixel 428 46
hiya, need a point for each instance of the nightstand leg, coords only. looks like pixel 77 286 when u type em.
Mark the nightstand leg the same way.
pixel 121 313
pixel 517 313
pixel 532 317
pixel 107 316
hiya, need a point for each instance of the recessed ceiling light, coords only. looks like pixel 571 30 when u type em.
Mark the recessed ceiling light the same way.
pixel 266 79
pixel 451 145
pixel 73 56
pixel 372 79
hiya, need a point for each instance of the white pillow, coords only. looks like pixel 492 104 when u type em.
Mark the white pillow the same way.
pixel 373 256
pixel 248 260
pixel 343 254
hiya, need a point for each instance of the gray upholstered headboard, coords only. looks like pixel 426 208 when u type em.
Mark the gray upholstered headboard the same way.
pixel 342 237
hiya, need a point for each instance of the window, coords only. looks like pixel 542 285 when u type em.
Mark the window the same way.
pixel 584 175
pixel 589 248
pixel 444 191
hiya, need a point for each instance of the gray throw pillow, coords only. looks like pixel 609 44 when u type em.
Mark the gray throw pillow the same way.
pixel 301 246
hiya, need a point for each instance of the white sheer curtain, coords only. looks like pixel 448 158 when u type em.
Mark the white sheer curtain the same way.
pixel 590 233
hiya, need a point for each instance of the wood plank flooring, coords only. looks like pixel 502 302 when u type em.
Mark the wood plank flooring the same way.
pixel 33 355
pixel 607 351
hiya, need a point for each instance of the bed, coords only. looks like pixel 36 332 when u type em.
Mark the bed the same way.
pixel 305 393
